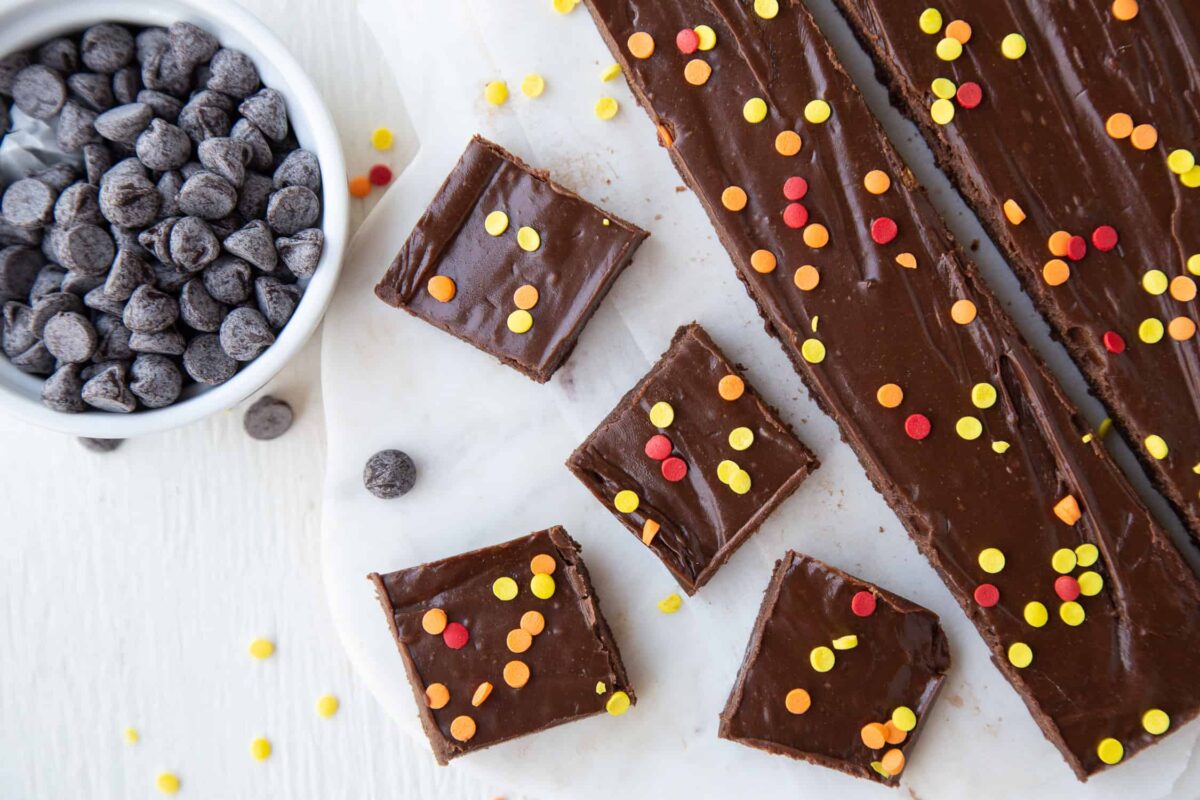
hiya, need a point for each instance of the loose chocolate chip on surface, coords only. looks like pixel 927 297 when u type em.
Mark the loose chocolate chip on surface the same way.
pixel 389 474
pixel 269 418
pixel 99 445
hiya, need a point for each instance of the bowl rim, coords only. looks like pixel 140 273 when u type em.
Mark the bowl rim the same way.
pixel 27 22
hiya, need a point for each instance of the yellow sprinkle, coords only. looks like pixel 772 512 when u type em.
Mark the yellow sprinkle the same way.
pixel 822 659
pixel 708 37
pixel 600 687
pixel 1151 331
pixel 1063 560
pixel 969 428
pixel 670 604
pixel 904 718
pixel 1013 46
pixel 848 642
pixel 878 767
pixel 1072 613
pixel 1036 614
pixel 1156 446
pixel 626 501
pixel 1104 427
pixel 662 414
pixel 930 21
pixel 610 72
pixel 991 560
pixel 1181 162
pixel 262 648
pixel 983 395
pixel 949 49
pixel 606 108
pixel 817 111
pixel 496 223
pixel 167 782
pixel 1156 721
pixel 1193 264
pixel 382 138
pixel 327 705
pixel 741 438
pixel 131 736
pixel 528 239
pixel 1087 554
pixel 504 588
pixel 755 110
pixel 617 704
pixel 1020 655
pixel 1087 437
pixel 1110 751
pixel 740 482
pixel 813 350
pixel 944 88
pixel 520 321
pixel 1090 583
pixel 1155 281
pixel 564 6
pixel 496 93
pixel 1000 447
pixel 1191 178
pixel 542 586
pixel 260 748
pixel 942 111
pixel 532 85
pixel 767 9
pixel 726 470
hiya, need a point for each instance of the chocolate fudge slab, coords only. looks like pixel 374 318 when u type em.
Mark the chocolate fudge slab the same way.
pixel 1040 139
pixel 550 622
pixel 551 261
pixel 690 510
pixel 956 420
pixel 879 690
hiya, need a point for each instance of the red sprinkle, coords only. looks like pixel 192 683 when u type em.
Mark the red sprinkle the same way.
pixel 1105 238
pixel 659 447
pixel 687 40
pixel 795 215
pixel 795 188
pixel 917 426
pixel 862 604
pixel 455 636
pixel 1113 342
pixel 987 595
pixel 674 469
pixel 884 230
pixel 380 175
pixel 1076 248
pixel 970 95
pixel 1066 587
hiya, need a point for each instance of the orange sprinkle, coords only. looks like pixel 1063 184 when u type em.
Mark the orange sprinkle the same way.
pixel 1056 272
pixel 649 531
pixel 434 621
pixel 1124 10
pixel 733 198
pixel 526 297
pixel 892 734
pixel 807 278
pixel 542 563
pixel 516 674
pixel 1059 243
pixel 360 186
pixel 437 695
pixel 442 288
pixel 877 181
pixel 1181 329
pixel 873 735
pixel 788 143
pixel 518 640
pixel 890 395
pixel 963 312
pixel 482 692
pixel 1183 288
pixel 797 701
pixel 960 30
pixel 763 261
pixel 641 45
pixel 1067 510
pixel 731 387
pixel 1144 137
pixel 1119 125
pixel 533 623
pixel 462 728
pixel 664 136
pixel 907 260
pixel 697 72
pixel 893 761
pixel 1014 212
pixel 816 236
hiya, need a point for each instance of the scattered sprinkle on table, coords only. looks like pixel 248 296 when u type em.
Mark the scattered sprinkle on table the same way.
pixel 327 706
pixel 262 648
pixel 382 138
pixel 533 85
pixel 167 782
pixel 496 92
pixel 260 749
pixel 606 108
pixel 670 604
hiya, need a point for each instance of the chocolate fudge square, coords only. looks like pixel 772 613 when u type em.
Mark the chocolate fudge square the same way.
pixel 838 672
pixel 692 460
pixel 503 641
pixel 509 261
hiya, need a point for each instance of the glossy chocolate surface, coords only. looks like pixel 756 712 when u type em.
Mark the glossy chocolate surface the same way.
pixel 1139 647
pixel 702 520
pixel 582 252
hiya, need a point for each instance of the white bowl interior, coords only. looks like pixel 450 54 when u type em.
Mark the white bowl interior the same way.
pixel 34 22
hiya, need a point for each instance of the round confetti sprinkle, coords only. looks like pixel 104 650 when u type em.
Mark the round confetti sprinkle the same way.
pixel 817 111
pixel 991 560
pixel 327 706
pixel 848 642
pixel 610 72
pixel 970 95
pixel 788 143
pixel 987 595
pixel 262 648
pixel 496 92
pixel 795 216
pixel 726 470
pixel 959 30
pixel 564 6
pixel 456 636
pixel 1156 446
pixel 731 387
pixel 1110 751
pixel 1181 329
pixel 437 695
pixel 1119 126
pixel 755 110
pixel 658 447
pixel 526 297
pixel 873 735
pixel 1087 554
pixel 1000 447
pixel 708 37
pixel 1036 614
pixel 518 641
pixel 382 138
pixel 1193 264
pixel 884 230
pixel 797 701
pixel 496 223
pixel 942 112
pixel 1013 212
pixel 1151 331
pixel 260 749
pixel 1183 288
pixel 641 45
pixel 889 395
pixel 167 782
pixel 606 108
pixel 674 469
pixel 892 734
pixel 516 673
pixel 1181 161
pixel 893 761
pixel 863 604
pixel 670 604
pixel 813 351
pixel 1058 242
pixel 662 414
pixel 697 72
pixel 963 312
pixel 1056 272
pixel 433 621
pixel 1104 238
pixel 907 260
pixel 1076 248
pixel 904 718
pixel 877 181
pixel 739 482
pixel 917 426
pixel 795 188
pixel 528 239
pixel 943 88
pixel 1156 721
pixel 484 690
pixel 763 261
pixel 520 321
pixel 359 186
pixel 688 41
pixel 983 395
pixel 533 623
pixel 441 288
pixel 532 85
pixel 969 428
pixel 380 175
pixel 806 278
pixel 1144 137
pixel 542 586
pixel 542 564
pixel 1020 655
pixel 617 704
pixel 131 736
pixel 1191 178
pixel 816 236
pixel 1063 560
pixel 1155 281
pixel 1066 587
pixel 1113 342
pixel 949 49
pixel 767 9
pixel 822 659
pixel 734 198
pixel 1013 46
pixel 1124 10
pixel 930 21
pixel 1072 613
pixel 462 728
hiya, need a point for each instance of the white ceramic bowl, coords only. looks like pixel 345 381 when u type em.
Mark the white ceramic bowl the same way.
pixel 30 23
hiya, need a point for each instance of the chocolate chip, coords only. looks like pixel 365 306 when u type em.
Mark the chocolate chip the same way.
pixel 70 337
pixel 63 391
pixel 163 146
pixel 169 277
pixel 156 380
pixel 163 105
pixel 293 209
pixel 79 203
pixel 80 284
pixel 206 362
pixel 150 42
pixel 28 203
pixel 125 168
pixel 11 235
pixel 114 339
pixel 19 267
pixel 207 196
pixel 106 47
pixel 157 239
pixel 245 333
pixel 91 90
pixel 59 54
pixel 37 360
pixel 10 65
pixel 191 44
pixel 39 91
pixel 261 157
pixel 225 157
pixel 299 168
pixel 204 121
pixel 97 159
pixel 268 111
pixel 108 390
pixel 57 177
pixel 389 474
pixel 168 343
pixel 254 244
pixel 76 127
pixel 277 301
pixel 48 281
pixel 233 73
pixel 149 310
pixel 225 226
pixel 269 418
pixel 169 184
pixel 228 280
pixel 129 271
pixel 84 248
pixel 16 335
pixel 193 244
pixel 54 303
pixel 99 445
pixel 130 201
pixel 124 123
pixel 253 198
pixel 198 309
pixel 127 84
pixel 162 72
pixel 301 253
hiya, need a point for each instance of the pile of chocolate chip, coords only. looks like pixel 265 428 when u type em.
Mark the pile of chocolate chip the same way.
pixel 171 245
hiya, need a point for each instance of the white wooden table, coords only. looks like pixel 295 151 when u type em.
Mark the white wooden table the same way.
pixel 132 583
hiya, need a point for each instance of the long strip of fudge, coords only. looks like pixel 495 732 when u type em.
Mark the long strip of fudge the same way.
pixel 838 672
pixel 503 641
pixel 1072 130
pixel 1087 607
